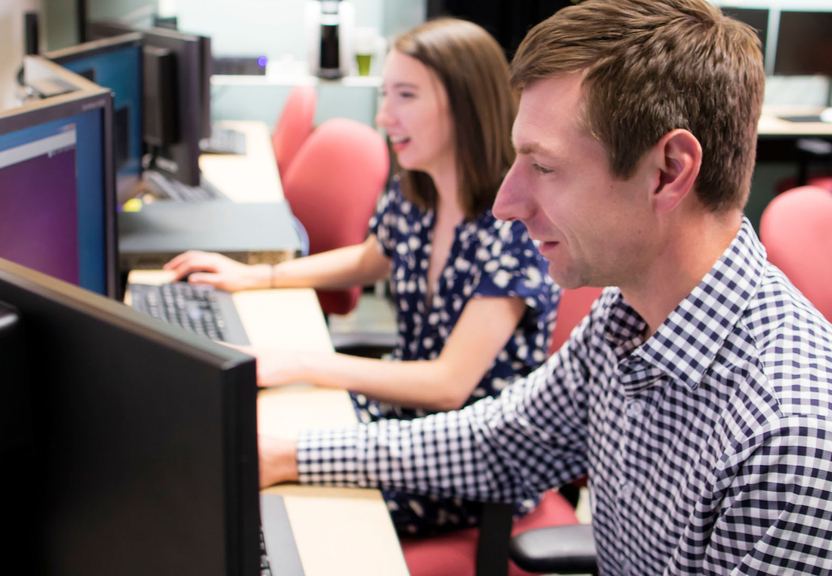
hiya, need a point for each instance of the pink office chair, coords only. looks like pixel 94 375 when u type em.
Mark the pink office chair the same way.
pixel 484 551
pixel 332 186
pixel 796 229
pixel 573 306
pixel 293 126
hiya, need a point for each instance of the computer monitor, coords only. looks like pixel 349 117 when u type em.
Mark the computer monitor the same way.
pixel 115 63
pixel 177 157
pixel 57 183
pixel 129 447
pixel 757 18
pixel 804 43
pixel 206 68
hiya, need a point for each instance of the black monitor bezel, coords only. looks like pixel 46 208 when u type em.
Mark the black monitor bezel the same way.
pixel 187 48
pixel 44 303
pixel 87 96
pixel 94 48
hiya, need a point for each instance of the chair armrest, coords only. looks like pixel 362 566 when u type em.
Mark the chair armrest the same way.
pixel 568 549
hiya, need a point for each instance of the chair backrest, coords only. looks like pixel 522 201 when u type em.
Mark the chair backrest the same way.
pixel 294 125
pixel 573 306
pixel 796 229
pixel 332 187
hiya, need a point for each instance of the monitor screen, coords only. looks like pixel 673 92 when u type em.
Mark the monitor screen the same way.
pixel 179 158
pixel 804 43
pixel 757 18
pixel 115 64
pixel 134 451
pixel 57 202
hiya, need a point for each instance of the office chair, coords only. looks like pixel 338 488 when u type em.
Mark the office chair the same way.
pixel 332 186
pixel 485 551
pixel 294 125
pixel 796 230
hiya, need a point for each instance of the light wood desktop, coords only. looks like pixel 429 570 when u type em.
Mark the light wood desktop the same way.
pixel 773 125
pixel 252 177
pixel 342 531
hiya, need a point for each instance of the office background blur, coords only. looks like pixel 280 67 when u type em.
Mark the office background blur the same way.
pixel 274 29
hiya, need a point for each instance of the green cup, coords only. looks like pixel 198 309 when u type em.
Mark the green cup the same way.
pixel 364 61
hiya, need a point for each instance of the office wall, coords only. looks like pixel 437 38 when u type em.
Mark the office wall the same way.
pixel 12 46
pixel 275 28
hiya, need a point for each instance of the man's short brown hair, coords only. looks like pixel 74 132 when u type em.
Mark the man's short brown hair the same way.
pixel 650 67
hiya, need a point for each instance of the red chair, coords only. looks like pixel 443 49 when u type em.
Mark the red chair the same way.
pixel 484 550
pixel 796 229
pixel 573 306
pixel 294 125
pixel 332 186
pixel 464 553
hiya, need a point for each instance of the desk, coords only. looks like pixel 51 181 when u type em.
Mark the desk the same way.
pixel 776 137
pixel 249 178
pixel 341 531
pixel 152 237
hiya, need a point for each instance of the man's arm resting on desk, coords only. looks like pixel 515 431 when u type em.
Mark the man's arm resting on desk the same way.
pixel 504 449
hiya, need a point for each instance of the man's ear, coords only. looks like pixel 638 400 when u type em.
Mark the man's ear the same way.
pixel 679 157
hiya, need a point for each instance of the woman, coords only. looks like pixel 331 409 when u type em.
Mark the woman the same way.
pixel 475 304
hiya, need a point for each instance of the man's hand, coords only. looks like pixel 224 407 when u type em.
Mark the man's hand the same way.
pixel 278 460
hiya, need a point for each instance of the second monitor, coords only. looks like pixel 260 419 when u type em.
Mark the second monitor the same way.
pixel 116 64
pixel 174 75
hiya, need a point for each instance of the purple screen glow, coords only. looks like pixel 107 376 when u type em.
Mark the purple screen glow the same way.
pixel 39 214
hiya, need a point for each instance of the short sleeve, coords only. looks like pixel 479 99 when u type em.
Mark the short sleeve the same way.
pixel 385 221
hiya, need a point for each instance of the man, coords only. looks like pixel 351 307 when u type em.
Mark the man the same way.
pixel 697 393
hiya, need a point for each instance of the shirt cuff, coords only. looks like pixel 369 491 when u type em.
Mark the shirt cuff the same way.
pixel 329 457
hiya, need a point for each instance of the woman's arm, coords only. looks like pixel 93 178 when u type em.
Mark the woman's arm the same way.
pixel 446 383
pixel 358 265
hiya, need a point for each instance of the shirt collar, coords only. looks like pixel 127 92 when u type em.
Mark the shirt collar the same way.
pixel 687 342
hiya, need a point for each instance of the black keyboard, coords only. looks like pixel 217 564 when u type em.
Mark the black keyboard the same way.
pixel 265 565
pixel 224 141
pixel 197 308
pixel 164 188
pixel 277 538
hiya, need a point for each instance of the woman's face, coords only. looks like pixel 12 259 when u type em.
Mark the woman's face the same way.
pixel 416 115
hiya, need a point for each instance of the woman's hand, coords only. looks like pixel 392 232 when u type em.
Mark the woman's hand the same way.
pixel 220 271
pixel 278 367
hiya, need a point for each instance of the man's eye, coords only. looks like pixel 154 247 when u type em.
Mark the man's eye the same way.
pixel 540 169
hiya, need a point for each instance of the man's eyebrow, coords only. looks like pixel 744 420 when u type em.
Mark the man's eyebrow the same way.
pixel 534 148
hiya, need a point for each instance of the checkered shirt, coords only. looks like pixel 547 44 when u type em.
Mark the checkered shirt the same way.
pixel 708 446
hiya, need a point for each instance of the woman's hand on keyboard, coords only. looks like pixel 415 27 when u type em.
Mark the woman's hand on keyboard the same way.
pixel 219 271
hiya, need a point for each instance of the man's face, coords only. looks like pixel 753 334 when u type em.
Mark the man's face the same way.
pixel 593 228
